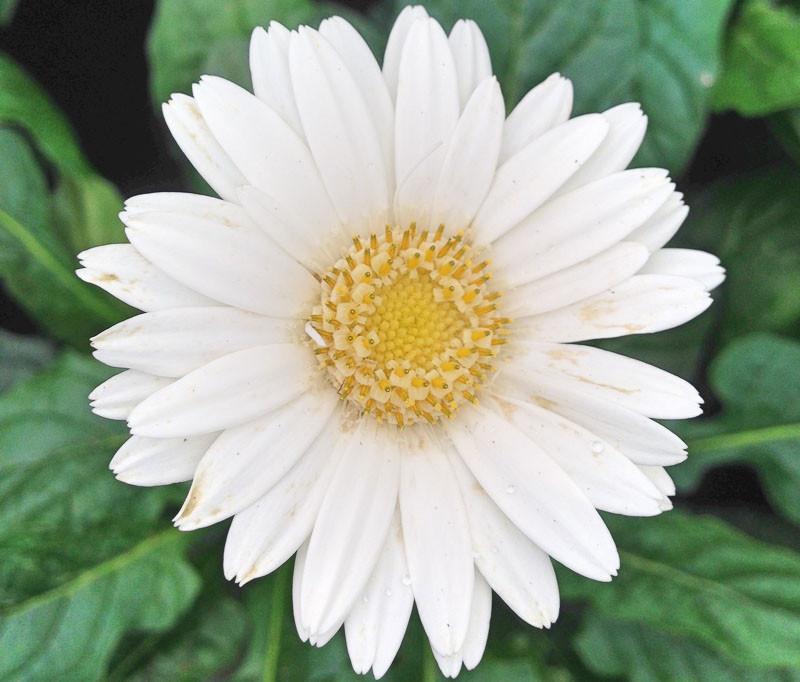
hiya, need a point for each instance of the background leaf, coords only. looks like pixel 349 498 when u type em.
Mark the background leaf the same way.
pixel 762 61
pixel 697 577
pixel 662 53
pixel 78 548
pixel 21 356
pixel 756 378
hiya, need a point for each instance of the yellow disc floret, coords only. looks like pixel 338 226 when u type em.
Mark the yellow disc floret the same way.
pixel 406 325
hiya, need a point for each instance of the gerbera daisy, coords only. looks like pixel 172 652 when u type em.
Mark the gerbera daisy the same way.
pixel 363 351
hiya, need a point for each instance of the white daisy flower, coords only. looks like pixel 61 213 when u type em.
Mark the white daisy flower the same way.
pixel 364 352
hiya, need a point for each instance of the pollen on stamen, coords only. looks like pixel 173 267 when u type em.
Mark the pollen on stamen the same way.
pixel 407 320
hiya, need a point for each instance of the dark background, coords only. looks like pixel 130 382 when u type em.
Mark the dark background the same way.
pixel 89 55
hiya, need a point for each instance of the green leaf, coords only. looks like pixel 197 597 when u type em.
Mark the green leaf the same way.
pixel 753 225
pixel 785 126
pixel 756 379
pixel 7 9
pixel 21 356
pixel 35 264
pixel 761 71
pixel 79 548
pixel 189 39
pixel 697 577
pixel 662 53
pixel 203 646
pixel 617 649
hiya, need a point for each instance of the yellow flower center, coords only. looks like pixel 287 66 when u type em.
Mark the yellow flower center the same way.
pixel 407 326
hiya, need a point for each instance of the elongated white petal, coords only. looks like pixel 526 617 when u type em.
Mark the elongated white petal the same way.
pixel 517 569
pixel 123 272
pixel 270 530
pixel 366 72
pixel 226 392
pixel 580 224
pixel 609 480
pixel 660 478
pixel 698 265
pixel 172 343
pixel 268 152
pixel 664 223
pixel 377 622
pixel 423 131
pixel 543 108
pixel 577 282
pixel 116 397
pixel 450 665
pixel 438 545
pixel 246 461
pixel 471 159
pixel 340 132
pixel 627 125
pixel 631 383
pixel 533 174
pixel 478 630
pixel 269 70
pixel 351 527
pixel 297 590
pixel 159 461
pixel 232 262
pixel 534 492
pixel 639 438
pixel 640 305
pixel 185 203
pixel 197 142
pixel 396 43
pixel 471 57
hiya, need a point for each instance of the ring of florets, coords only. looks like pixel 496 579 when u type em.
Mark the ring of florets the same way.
pixel 407 326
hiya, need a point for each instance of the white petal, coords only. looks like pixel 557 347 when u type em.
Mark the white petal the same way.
pixel 171 343
pixel 580 224
pixel 366 72
pixel 533 174
pixel 534 492
pixel 426 116
pixel 609 480
pixel 187 203
pixel 396 42
pixel 269 70
pixel 663 225
pixel 232 262
pixel 246 461
pixel 297 590
pixel 478 630
pixel 231 390
pixel 159 461
pixel 269 153
pixel 660 478
pixel 642 440
pixel 575 283
pixel 438 545
pixel 609 376
pixel 340 132
pixel 471 57
pixel 205 153
pixel 116 397
pixel 698 265
pixel 351 527
pixel 517 569
pixel 450 665
pixel 269 531
pixel 123 272
pixel 640 305
pixel 543 108
pixel 377 622
pixel 627 125
pixel 471 159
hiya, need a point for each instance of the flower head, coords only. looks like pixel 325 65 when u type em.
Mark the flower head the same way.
pixel 364 350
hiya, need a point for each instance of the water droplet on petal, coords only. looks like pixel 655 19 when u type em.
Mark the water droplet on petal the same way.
pixel 406 580
pixel 598 447
pixel 388 593
pixel 495 549
pixel 510 489
pixel 366 599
